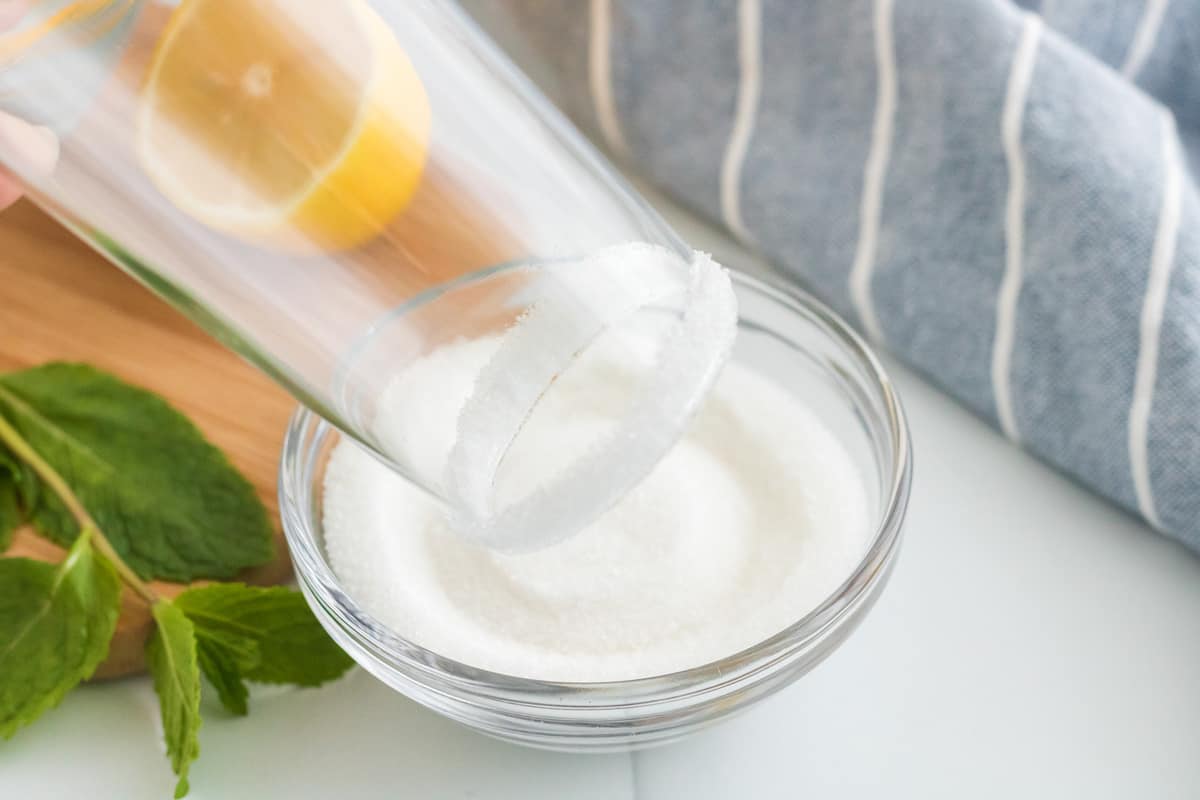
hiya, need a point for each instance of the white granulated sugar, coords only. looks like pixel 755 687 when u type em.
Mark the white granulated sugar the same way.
pixel 750 522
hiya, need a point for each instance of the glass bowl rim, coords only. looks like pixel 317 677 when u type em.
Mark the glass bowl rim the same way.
pixel 317 576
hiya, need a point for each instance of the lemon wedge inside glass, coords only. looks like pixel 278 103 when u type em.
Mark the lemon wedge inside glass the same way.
pixel 284 122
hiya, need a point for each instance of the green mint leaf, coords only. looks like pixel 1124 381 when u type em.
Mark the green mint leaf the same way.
pixel 221 666
pixel 10 509
pixel 292 645
pixel 16 494
pixel 23 476
pixel 56 621
pixel 225 655
pixel 9 463
pixel 243 648
pixel 171 656
pixel 168 501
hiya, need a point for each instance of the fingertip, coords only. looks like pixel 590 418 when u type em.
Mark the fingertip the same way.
pixel 10 192
pixel 11 12
pixel 34 147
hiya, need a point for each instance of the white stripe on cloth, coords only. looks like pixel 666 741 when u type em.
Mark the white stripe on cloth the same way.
pixel 1144 37
pixel 1162 257
pixel 875 171
pixel 750 70
pixel 1011 120
pixel 600 75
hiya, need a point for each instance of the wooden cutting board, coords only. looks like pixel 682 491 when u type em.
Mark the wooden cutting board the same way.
pixel 59 300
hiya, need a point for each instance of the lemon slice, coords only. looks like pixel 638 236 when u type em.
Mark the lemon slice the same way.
pixel 284 121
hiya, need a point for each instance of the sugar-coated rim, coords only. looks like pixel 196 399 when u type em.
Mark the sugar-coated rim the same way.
pixel 446 675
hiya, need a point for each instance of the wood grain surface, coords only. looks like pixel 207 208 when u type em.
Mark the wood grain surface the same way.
pixel 61 301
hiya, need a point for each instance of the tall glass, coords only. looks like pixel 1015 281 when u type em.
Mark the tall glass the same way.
pixel 334 189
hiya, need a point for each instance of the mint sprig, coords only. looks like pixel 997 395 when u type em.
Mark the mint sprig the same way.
pixel 135 491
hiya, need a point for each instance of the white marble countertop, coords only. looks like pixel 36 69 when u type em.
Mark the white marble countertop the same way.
pixel 1034 642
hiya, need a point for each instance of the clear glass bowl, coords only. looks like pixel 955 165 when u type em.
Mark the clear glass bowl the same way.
pixel 783 333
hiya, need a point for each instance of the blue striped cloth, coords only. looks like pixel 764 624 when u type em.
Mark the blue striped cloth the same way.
pixel 1004 196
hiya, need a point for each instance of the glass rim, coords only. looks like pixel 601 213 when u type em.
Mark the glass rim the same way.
pixel 307 432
